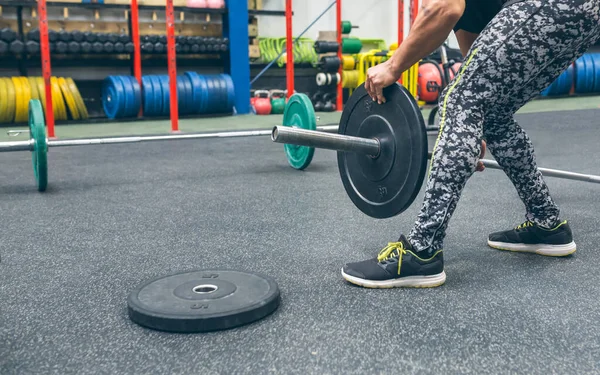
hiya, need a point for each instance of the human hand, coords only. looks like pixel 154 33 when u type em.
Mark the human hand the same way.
pixel 480 166
pixel 379 77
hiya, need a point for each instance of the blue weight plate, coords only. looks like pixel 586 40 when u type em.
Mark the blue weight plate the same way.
pixel 137 95
pixel 230 92
pixel 210 89
pixel 203 94
pixel 166 103
pixel 568 80
pixel 128 95
pixel 189 96
pixel 112 97
pixel 546 91
pixel 215 97
pixel 589 72
pixel 196 93
pixel 596 65
pixel 579 75
pixel 157 100
pixel 181 94
pixel 148 92
pixel 222 93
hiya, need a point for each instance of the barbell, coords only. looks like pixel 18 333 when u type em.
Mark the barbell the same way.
pixel 382 151
pixel 38 143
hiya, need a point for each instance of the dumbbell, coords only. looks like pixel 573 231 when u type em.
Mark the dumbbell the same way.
pixel 64 36
pixel 159 47
pixel 109 47
pixel 152 38
pixel 162 39
pixel 97 47
pixel 3 47
pixel 34 35
pixel 186 48
pixel 90 37
pixel 32 47
pixel 202 48
pixel 61 47
pixel 113 38
pixel 209 47
pixel 86 47
pixel 7 34
pixel 129 47
pixel 76 36
pixel 195 48
pixel 119 47
pixel 124 38
pixel 52 36
pixel 16 46
pixel 52 47
pixel 102 37
pixel 74 47
pixel 147 47
pixel 178 48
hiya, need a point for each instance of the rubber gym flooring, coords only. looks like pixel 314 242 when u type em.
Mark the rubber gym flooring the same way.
pixel 115 216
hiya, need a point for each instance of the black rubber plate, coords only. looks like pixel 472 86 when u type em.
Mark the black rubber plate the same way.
pixel 203 301
pixel 387 185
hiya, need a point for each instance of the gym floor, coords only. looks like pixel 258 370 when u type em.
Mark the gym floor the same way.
pixel 115 216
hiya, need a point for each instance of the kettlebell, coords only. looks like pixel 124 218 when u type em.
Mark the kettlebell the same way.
pixel 277 102
pixel 196 3
pixel 328 107
pixel 216 3
pixel 319 106
pixel 317 97
pixel 262 102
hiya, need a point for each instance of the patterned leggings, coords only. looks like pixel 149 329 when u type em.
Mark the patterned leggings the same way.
pixel 520 52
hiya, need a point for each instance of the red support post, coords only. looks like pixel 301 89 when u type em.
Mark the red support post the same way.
pixel 46 68
pixel 340 92
pixel 414 11
pixel 172 66
pixel 135 39
pixel 289 43
pixel 400 22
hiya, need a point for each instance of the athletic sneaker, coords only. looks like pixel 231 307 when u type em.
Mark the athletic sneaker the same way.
pixel 397 265
pixel 531 238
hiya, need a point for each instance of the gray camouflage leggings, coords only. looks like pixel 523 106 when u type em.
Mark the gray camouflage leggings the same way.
pixel 520 52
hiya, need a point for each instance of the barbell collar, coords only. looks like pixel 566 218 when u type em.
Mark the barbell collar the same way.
pixel 319 139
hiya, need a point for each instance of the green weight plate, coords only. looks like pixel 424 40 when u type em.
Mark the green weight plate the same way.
pixel 37 129
pixel 299 113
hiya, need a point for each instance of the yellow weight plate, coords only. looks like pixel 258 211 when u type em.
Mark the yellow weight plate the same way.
pixel 41 91
pixel 11 99
pixel 69 100
pixel 33 87
pixel 20 105
pixel 26 94
pixel 83 113
pixel 58 99
pixel 3 101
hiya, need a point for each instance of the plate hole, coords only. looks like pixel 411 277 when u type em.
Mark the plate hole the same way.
pixel 205 288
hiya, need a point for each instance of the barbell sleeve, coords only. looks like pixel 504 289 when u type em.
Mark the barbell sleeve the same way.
pixel 318 139
pixel 338 142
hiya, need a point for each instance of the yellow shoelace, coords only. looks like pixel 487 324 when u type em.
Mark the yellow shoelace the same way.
pixel 525 225
pixel 392 250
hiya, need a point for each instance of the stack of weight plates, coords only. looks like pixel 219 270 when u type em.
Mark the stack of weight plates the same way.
pixel 196 94
pixel 15 93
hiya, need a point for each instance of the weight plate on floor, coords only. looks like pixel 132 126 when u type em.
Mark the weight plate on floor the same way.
pixel 39 148
pixel 137 96
pixel 299 113
pixel 203 94
pixel 157 95
pixel 128 95
pixel 113 97
pixel 203 301
pixel 188 93
pixel 196 91
pixel 148 96
pixel 596 64
pixel 181 94
pixel 222 93
pixel 230 92
pixel 166 103
pixel 386 185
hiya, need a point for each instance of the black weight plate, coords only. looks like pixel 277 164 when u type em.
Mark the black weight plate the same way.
pixel 386 185
pixel 203 301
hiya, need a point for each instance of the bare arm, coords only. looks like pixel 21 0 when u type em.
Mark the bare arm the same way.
pixel 433 24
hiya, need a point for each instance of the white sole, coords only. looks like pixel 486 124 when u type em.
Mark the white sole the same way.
pixel 541 249
pixel 405 282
